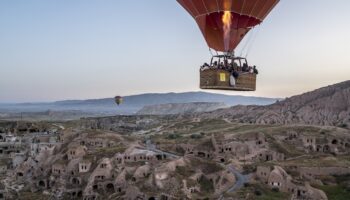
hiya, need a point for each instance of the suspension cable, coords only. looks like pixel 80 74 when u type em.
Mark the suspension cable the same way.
pixel 211 53
pixel 253 40
pixel 247 41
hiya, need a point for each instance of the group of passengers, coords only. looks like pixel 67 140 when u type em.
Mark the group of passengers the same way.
pixel 232 67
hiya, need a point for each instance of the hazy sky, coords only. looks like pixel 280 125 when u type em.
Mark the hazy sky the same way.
pixel 78 49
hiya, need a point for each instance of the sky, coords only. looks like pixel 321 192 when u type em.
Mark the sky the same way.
pixel 83 49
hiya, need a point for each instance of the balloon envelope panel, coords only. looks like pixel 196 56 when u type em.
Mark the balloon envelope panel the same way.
pixel 244 14
pixel 213 31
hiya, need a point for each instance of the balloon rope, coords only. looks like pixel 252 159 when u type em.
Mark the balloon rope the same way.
pixel 247 40
pixel 252 32
pixel 254 38
pixel 211 52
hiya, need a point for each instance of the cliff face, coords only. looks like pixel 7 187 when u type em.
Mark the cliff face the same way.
pixel 325 106
pixel 180 108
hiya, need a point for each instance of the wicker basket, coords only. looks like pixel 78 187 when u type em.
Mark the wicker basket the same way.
pixel 220 80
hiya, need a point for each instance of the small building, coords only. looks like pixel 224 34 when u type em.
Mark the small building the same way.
pixel 137 155
pixel 43 142
pixel 26 168
pixel 17 159
pixel 142 172
pixel 277 177
pixel 269 155
pixel 103 171
pixel 59 168
pixel 309 142
pixel 10 144
pixel 76 152
pixel 84 166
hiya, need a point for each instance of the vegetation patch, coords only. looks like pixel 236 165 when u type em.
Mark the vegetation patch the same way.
pixel 196 136
pixel 316 161
pixel 173 136
pixel 286 149
pixel 259 192
pixel 109 151
pixel 343 125
pixel 184 171
pixel 336 192
pixel 206 185
pixel 32 196
pixel 207 167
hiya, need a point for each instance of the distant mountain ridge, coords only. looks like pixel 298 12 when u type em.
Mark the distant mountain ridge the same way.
pixel 134 103
pixel 325 106
pixel 186 97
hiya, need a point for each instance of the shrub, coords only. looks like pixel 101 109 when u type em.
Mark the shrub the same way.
pixel 347 187
pixel 196 136
pixel 247 169
pixel 206 184
pixel 184 171
pixel 343 125
pixel 257 193
pixel 173 136
pixel 275 189
pixel 180 150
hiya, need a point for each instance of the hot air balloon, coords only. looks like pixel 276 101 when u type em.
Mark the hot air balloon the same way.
pixel 118 100
pixel 224 23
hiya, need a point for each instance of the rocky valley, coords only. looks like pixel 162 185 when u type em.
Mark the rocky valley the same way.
pixel 297 148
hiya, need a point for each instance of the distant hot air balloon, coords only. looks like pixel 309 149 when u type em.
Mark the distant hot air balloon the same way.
pixel 224 23
pixel 118 100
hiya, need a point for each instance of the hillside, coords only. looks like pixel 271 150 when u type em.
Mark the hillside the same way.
pixel 180 108
pixel 325 106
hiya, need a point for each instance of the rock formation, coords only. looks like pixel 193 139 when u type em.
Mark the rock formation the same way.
pixel 325 106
